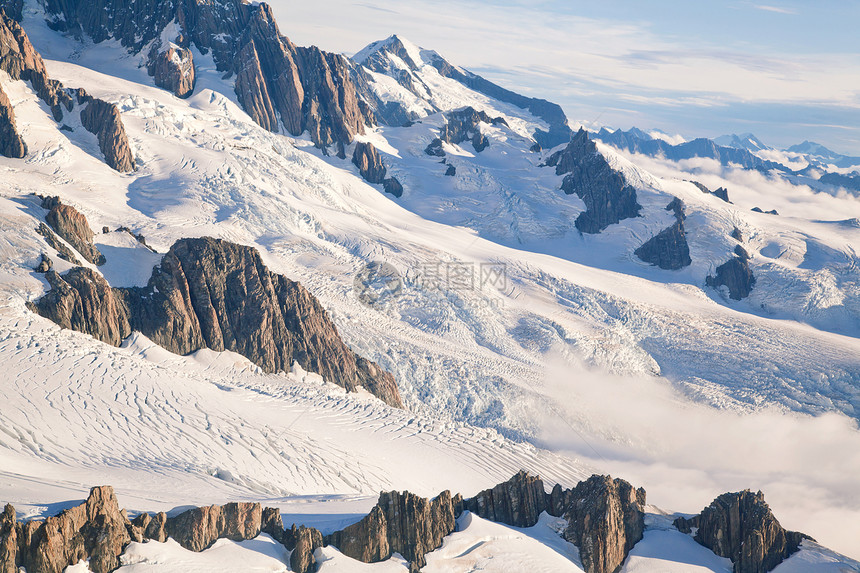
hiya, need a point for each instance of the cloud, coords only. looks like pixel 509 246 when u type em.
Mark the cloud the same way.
pixel 685 454
pixel 776 9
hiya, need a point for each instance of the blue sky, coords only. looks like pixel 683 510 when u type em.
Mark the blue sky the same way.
pixel 784 70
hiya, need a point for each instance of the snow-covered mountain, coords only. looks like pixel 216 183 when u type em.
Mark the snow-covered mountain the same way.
pixel 743 141
pixel 529 322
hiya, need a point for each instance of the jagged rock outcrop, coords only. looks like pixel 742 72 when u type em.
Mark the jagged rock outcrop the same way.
pixel 197 529
pixel 366 158
pixel 152 527
pixel 302 542
pixel 760 210
pixel 45 264
pixel 102 119
pixel 434 148
pixel 393 187
pixel 72 226
pixel 451 171
pixel 82 300
pixel 11 143
pixel 605 520
pixel 735 274
pixel 741 527
pixel 370 166
pixel 721 192
pixel 21 61
pixel 607 196
pixel 668 249
pixel 277 83
pixel 210 293
pixel 63 251
pixel 172 68
pixel 96 531
pixel 8 540
pixel 401 523
pixel 464 125
pixel 518 501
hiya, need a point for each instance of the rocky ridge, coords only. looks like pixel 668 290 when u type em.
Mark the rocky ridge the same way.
pixel 604 515
pixel 741 527
pixel 209 293
pixel 21 61
pixel 277 83
pixel 607 196
pixel 172 68
pixel 72 227
pixel 366 157
pixel 11 143
pixel 668 249
pixel 463 125
pixel 735 274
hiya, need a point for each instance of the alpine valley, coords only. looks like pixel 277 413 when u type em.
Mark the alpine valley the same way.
pixel 296 311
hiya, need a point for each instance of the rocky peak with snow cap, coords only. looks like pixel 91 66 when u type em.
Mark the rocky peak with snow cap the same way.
pixel 277 83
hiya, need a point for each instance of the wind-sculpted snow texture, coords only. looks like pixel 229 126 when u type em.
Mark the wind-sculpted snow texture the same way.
pixel 209 293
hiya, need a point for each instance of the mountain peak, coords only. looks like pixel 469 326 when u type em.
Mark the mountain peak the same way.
pixel 746 141
pixel 392 45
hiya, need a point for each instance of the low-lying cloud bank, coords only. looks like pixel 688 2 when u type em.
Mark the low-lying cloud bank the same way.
pixel 685 454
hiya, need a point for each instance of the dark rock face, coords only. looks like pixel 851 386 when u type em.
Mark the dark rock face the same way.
pixel 741 527
pixel 276 82
pixel 518 501
pixel 722 192
pixel 366 158
pixel 760 210
pixel 735 274
pixel 102 119
pixel 13 8
pixel 172 69
pixel 45 264
pixel 668 249
pixel 463 125
pixel 607 196
pixel 97 531
pixel 20 60
pixel 82 300
pixel 63 251
pixel 606 520
pixel 393 187
pixel 72 227
pixel 451 171
pixel 399 523
pixel 209 293
pixel 11 143
pixel 434 148
pixel 303 541
pixel 197 529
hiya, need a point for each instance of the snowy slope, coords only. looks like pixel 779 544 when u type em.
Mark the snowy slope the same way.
pixel 469 362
